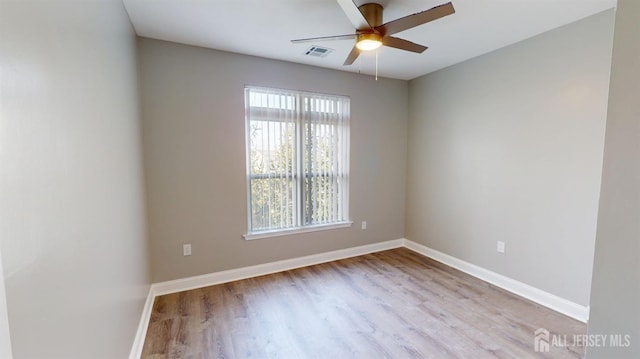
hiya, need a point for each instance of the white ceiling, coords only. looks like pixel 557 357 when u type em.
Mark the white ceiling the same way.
pixel 265 27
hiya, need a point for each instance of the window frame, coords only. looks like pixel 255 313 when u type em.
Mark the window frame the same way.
pixel 300 175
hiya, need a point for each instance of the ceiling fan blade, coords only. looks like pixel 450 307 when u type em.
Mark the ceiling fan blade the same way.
pixel 403 44
pixel 417 19
pixel 326 38
pixel 355 16
pixel 353 55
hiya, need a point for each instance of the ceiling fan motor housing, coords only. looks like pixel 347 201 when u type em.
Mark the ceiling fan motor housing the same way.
pixel 373 13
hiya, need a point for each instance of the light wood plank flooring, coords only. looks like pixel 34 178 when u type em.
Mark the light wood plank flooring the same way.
pixel 391 304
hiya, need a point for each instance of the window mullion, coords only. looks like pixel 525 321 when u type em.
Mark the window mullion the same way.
pixel 299 150
pixel 309 175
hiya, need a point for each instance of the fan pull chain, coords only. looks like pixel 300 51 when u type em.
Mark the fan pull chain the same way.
pixel 376 64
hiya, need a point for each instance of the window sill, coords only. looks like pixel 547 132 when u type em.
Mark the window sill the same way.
pixel 287 232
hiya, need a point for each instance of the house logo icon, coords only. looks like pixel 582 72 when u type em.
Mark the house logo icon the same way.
pixel 541 340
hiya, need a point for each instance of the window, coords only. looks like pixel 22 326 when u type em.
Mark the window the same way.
pixel 297 161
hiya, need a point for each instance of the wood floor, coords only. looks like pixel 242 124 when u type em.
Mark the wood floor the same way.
pixel 391 304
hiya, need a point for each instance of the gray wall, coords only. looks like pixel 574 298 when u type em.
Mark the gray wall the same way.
pixel 72 226
pixel 508 147
pixel 615 294
pixel 5 336
pixel 194 151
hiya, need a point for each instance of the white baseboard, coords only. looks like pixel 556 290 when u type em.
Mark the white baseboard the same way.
pixel 231 275
pixel 141 333
pixel 564 306
pixel 541 297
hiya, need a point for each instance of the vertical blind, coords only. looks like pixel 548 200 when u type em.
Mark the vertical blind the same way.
pixel 297 159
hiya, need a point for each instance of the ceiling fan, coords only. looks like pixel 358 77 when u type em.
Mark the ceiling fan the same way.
pixel 371 33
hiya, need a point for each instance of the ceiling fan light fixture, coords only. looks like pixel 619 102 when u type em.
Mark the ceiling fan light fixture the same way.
pixel 368 42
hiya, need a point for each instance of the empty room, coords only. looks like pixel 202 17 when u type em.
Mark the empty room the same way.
pixel 319 179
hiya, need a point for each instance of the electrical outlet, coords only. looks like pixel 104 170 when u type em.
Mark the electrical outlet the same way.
pixel 186 249
pixel 500 247
pixel 364 225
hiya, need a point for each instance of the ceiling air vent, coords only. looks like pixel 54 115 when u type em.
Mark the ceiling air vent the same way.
pixel 318 51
